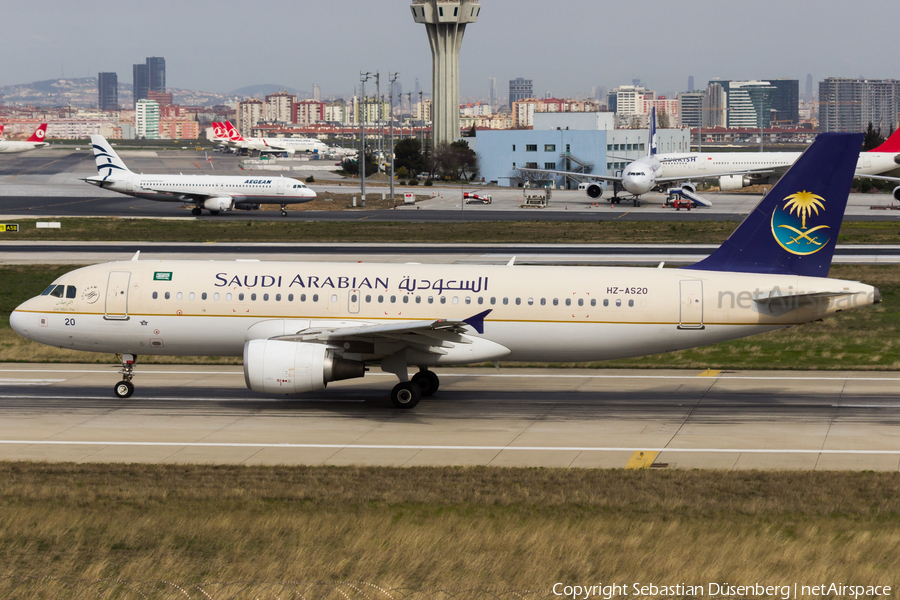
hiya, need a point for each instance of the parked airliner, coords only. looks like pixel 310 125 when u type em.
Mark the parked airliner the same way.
pixel 215 193
pixel 300 326
pixel 733 170
pixel 262 144
pixel 34 142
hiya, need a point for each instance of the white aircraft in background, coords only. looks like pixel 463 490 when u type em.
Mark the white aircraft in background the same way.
pixel 275 145
pixel 215 193
pixel 300 326
pixel 734 170
pixel 34 142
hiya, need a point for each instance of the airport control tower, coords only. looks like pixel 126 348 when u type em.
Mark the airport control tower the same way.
pixel 446 22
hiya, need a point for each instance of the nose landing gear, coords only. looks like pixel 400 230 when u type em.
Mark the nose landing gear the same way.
pixel 124 389
pixel 284 210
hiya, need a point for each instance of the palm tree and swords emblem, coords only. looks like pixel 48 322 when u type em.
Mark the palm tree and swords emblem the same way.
pixel 789 224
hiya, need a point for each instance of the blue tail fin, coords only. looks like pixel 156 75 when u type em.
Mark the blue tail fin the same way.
pixel 793 230
pixel 653 146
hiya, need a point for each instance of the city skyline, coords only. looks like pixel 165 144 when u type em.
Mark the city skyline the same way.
pixel 599 54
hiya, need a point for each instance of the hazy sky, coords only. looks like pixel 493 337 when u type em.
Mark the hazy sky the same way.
pixel 565 46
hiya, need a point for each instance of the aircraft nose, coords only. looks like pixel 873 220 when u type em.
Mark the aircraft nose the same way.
pixel 18 322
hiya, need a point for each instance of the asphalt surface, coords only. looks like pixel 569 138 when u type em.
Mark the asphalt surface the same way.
pixel 510 417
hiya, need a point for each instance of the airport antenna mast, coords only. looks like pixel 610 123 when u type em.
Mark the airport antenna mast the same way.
pixel 445 21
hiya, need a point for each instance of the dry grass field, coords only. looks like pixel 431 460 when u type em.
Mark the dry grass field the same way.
pixel 460 528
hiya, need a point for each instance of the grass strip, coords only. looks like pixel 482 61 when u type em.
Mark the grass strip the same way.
pixel 601 231
pixel 866 339
pixel 439 527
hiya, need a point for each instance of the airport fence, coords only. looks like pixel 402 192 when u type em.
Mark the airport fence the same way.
pixel 117 589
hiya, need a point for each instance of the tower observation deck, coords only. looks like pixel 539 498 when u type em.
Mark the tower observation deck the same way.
pixel 445 21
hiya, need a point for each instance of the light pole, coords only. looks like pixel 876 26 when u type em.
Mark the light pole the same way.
pixel 392 80
pixel 363 78
pixel 422 124
pixel 378 118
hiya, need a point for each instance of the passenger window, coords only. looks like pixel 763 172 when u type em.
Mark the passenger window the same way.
pixel 380 299
pixel 531 302
pixel 203 296
pixel 216 296
pixel 480 300
pixel 265 297
pixel 191 296
pixel 556 302
pixel 443 300
pixel 405 299
pixel 290 297
pixel 167 295
pixel 593 302
pixel 543 301
pixel 241 296
pixel 253 296
pixel 518 301
pixel 315 297
pixel 228 296
pixel 418 299
pixel 493 300
pixel 631 303
pixel 334 297
pixel 277 297
pixel 505 301
pixel 368 298
pixel 393 299
pixel 618 302
pixel 302 297
pixel 455 299
pixel 606 302
pixel 70 291
pixel 353 297
pixel 468 299
pixel 568 302
pixel 430 299
pixel 581 302
pixel 58 291
pixel 179 296
pixel 155 295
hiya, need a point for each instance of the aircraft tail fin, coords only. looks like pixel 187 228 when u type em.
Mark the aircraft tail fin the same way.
pixel 233 133
pixel 219 132
pixel 794 228
pixel 1 130
pixel 892 144
pixel 39 134
pixel 653 147
pixel 109 165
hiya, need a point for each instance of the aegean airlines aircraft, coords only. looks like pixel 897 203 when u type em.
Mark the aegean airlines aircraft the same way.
pixel 300 326
pixel 733 170
pixel 34 142
pixel 215 193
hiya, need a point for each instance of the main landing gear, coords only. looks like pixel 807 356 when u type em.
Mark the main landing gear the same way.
pixel 196 211
pixel 284 210
pixel 407 394
pixel 124 389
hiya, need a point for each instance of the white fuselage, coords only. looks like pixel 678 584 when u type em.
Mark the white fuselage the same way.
pixel 289 145
pixel 11 147
pixel 642 175
pixel 537 313
pixel 179 188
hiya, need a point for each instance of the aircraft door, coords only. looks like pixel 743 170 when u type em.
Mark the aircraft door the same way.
pixel 129 185
pixel 117 296
pixel 353 302
pixel 279 186
pixel 691 313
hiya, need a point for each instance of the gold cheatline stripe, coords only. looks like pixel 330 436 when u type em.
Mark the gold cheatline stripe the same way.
pixel 356 318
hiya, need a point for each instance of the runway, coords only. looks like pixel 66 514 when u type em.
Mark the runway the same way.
pixel 508 417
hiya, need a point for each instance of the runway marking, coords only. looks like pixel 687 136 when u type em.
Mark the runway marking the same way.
pixel 641 460
pixel 865 405
pixel 495 375
pixel 183 399
pixel 445 448
pixel 710 373
pixel 29 381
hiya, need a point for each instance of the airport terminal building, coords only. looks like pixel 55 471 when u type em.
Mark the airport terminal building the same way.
pixel 578 142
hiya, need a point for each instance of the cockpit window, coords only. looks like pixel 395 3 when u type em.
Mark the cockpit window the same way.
pixel 48 290
pixel 57 291
pixel 71 291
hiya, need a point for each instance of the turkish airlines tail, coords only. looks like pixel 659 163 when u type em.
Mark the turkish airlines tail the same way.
pixel 1 131
pixel 233 133
pixel 892 144
pixel 39 134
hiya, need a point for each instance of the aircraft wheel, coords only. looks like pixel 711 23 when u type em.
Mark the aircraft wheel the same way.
pixel 196 212
pixel 284 213
pixel 124 389
pixel 427 381
pixel 213 212
pixel 406 394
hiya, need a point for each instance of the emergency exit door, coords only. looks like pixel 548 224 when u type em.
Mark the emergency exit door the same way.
pixel 117 295
pixel 691 304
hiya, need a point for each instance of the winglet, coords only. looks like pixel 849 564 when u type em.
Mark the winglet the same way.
pixel 477 321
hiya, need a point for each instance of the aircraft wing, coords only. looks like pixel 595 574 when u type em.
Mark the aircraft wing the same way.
pixel 713 175
pixel 882 177
pixel 183 195
pixel 586 175
pixel 392 331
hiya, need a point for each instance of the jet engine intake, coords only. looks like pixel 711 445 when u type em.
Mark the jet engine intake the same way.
pixel 282 367
pixel 897 193
pixel 730 183
pixel 218 204
pixel 594 190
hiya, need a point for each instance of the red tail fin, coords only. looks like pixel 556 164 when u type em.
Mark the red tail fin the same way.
pixel 39 134
pixel 892 144
pixel 219 131
pixel 233 133
pixel 1 130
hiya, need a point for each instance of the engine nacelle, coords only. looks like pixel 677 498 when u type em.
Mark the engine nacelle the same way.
pixel 593 190
pixel 282 367
pixel 730 183
pixel 897 193
pixel 218 204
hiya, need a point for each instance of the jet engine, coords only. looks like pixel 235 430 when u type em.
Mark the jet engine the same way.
pixel 730 183
pixel 594 190
pixel 897 193
pixel 282 367
pixel 218 204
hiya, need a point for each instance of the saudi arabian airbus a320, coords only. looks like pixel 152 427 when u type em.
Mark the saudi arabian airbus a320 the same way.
pixel 300 326
pixel 215 193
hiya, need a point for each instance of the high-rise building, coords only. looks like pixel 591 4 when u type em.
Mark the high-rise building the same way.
pixel 715 105
pixel 808 96
pixel 690 83
pixel 752 104
pixel 279 106
pixel 520 89
pixel 492 92
pixel 156 73
pixel 317 93
pixel 690 109
pixel 851 104
pixel 140 82
pixel 161 98
pixel 108 91
pixel 250 112
pixel 397 91
pixel 146 119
